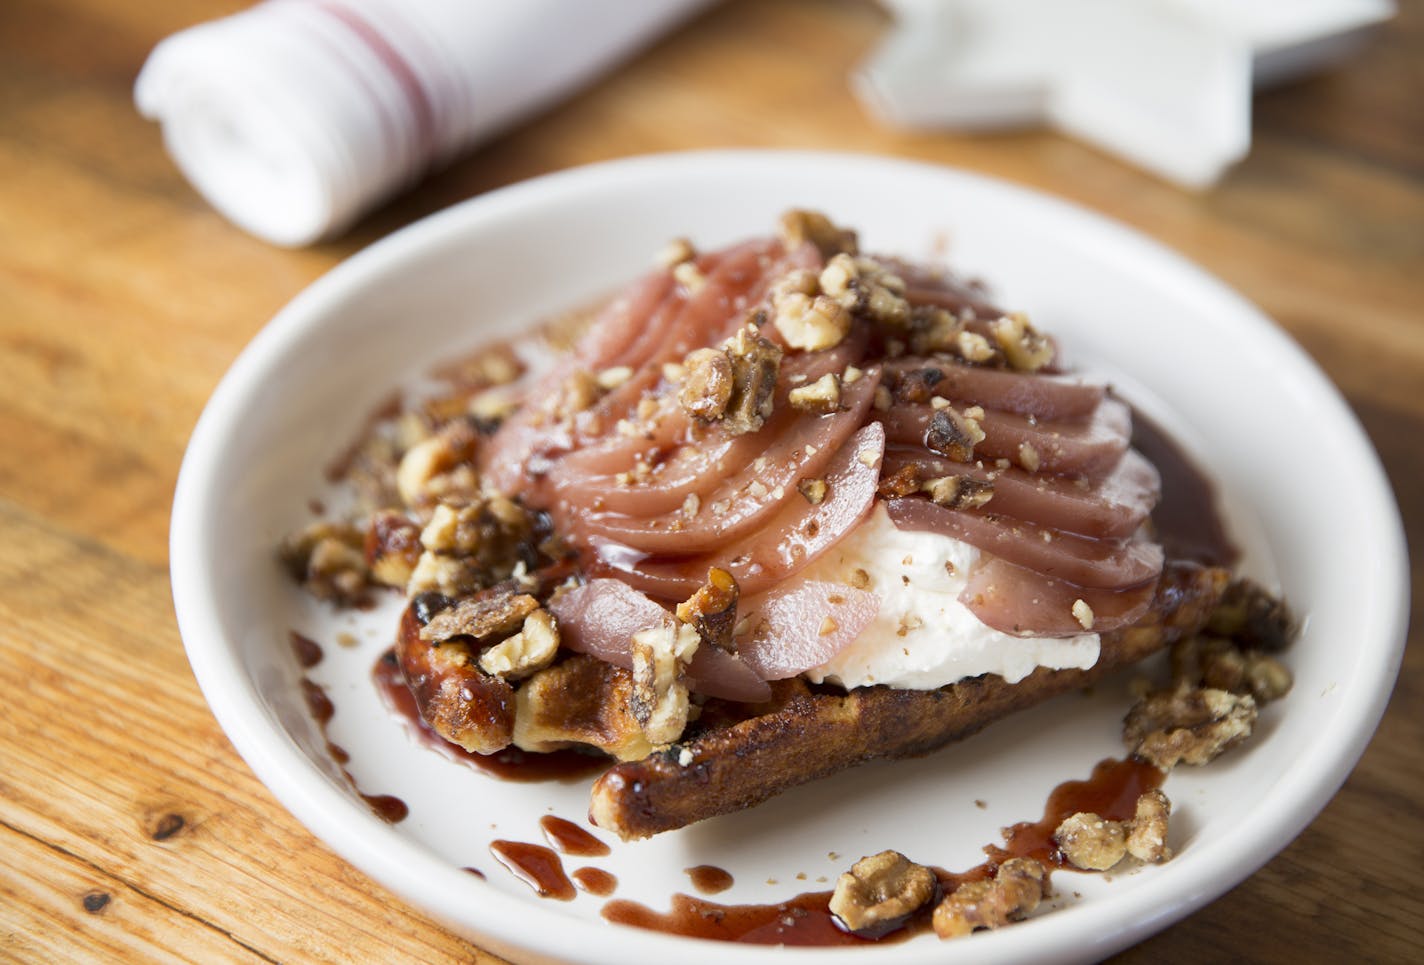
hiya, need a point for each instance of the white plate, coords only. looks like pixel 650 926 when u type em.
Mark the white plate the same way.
pixel 1231 385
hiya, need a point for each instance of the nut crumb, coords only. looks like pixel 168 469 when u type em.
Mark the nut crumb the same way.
pixel 1083 614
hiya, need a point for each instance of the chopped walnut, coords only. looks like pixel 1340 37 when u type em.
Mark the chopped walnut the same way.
pixel 489 615
pixel 864 286
pixel 392 547
pixel 1025 349
pixel 1028 457
pixel 905 481
pixel 676 252
pixel 1015 890
pixel 330 561
pixel 1094 843
pixel 660 697
pixel 755 364
pixel 526 652
pixel 798 227
pixel 1083 613
pixel 689 276
pixel 1267 678
pixel 428 459
pixel 707 384
pixel 1091 842
pixel 612 378
pixel 811 323
pixel 974 347
pixel 1187 725
pixel 713 608
pixel 880 893
pixel 814 490
pixel 1147 835
pixel 959 492
pixel 821 396
pixel 1252 617
pixel 953 435
pixel 917 386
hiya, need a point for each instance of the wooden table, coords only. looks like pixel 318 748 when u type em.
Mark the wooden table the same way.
pixel 129 828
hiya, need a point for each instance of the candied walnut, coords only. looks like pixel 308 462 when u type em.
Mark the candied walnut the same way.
pixel 1091 842
pixel 329 561
pixel 813 490
pixel 1219 663
pixel 577 393
pixel 973 347
pixel 959 492
pixel 675 252
pixel 880 893
pixel 1187 725
pixel 953 434
pixel 933 330
pixel 580 700
pixel 1147 834
pixel 905 481
pixel 392 547
pixel 424 462
pixel 446 575
pixel 864 286
pixel 1267 678
pixel 755 364
pixel 917 386
pixel 1094 843
pixel 689 276
pixel 1252 617
pixel 820 397
pixel 1023 346
pixel 489 615
pixel 530 650
pixel 660 697
pixel 798 227
pixel 811 323
pixel 713 608
pixel 707 384
pixel 1015 891
pixel 474 545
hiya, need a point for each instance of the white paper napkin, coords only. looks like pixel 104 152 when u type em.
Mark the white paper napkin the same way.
pixel 294 117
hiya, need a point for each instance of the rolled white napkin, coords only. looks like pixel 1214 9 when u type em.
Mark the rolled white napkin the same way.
pixel 294 117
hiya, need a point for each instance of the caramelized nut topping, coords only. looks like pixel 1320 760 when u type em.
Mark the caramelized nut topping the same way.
pixel 677 251
pixel 809 323
pixel 880 893
pixel 798 227
pixel 1025 349
pixel 1187 725
pixel 659 700
pixel 953 435
pixel 330 561
pixel 814 490
pixel 959 492
pixel 1015 891
pixel 707 387
pixel 1252 617
pixel 755 364
pixel 904 481
pixel 489 615
pixel 820 397
pixel 713 608
pixel 1147 836
pixel 530 650
pixel 1091 842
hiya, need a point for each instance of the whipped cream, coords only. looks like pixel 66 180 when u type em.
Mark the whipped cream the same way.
pixel 923 638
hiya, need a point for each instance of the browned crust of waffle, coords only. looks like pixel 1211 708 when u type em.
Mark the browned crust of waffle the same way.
pixel 461 702
pixel 813 734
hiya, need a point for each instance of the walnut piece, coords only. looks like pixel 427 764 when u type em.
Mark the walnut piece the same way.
pixel 810 323
pixel 954 435
pixel 660 698
pixel 1091 842
pixel 330 561
pixel 487 616
pixel 1252 617
pixel 820 397
pixel 713 608
pixel 392 547
pixel 798 227
pixel 813 490
pixel 959 492
pixel 1023 346
pixel 1187 725
pixel 707 384
pixel 755 363
pixel 530 650
pixel 880 893
pixel 1147 835
pixel 1015 891
pixel 427 460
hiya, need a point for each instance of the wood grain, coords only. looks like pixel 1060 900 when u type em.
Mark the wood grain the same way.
pixel 129 828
